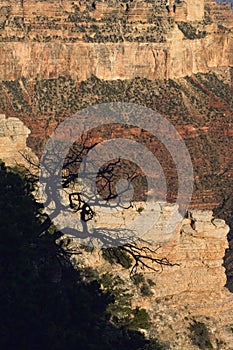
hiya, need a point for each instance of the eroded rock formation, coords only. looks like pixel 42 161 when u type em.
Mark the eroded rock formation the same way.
pixel 177 295
pixel 60 56
pixel 39 37
pixel 13 138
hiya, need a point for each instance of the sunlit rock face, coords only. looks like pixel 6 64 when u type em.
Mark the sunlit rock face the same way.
pixel 196 247
pixel 60 56
pixel 191 289
pixel 48 40
pixel 13 137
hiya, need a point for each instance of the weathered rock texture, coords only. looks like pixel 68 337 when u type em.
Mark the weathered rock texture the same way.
pixel 50 51
pixel 176 58
pixel 191 290
pixel 197 246
pixel 179 65
pixel 200 107
pixel 38 37
pixel 13 137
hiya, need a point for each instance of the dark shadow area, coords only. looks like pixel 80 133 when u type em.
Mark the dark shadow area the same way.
pixel 228 259
pixel 225 212
pixel 44 302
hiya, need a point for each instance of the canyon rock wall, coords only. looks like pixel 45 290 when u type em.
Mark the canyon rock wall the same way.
pixel 200 107
pixel 192 289
pixel 109 61
pixel 60 56
pixel 51 39
pixel 196 248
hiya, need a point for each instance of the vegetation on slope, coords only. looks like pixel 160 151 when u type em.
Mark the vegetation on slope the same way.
pixel 46 303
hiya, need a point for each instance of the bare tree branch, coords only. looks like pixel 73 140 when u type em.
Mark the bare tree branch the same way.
pixel 84 200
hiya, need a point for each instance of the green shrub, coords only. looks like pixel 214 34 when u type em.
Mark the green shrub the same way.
pixel 120 310
pixel 138 278
pixel 151 282
pixel 117 256
pixel 89 274
pixel 140 319
pixel 140 209
pixel 191 32
pixel 145 290
pixel 200 335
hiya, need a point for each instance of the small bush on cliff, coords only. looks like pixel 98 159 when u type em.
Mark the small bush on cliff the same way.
pixel 145 290
pixel 140 319
pixel 138 278
pixel 117 256
pixel 120 310
pixel 191 32
pixel 200 335
pixel 139 281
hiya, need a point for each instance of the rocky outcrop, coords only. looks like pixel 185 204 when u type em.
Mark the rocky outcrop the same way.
pixel 199 249
pixel 13 137
pixel 219 12
pixel 192 289
pixel 196 248
pixel 60 56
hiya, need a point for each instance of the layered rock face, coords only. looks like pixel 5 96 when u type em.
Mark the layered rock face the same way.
pixel 38 37
pixel 49 49
pixel 200 107
pixel 196 248
pixel 192 289
pixel 60 56
pixel 177 58
pixel 13 137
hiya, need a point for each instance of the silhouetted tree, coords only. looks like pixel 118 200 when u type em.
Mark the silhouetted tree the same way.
pixel 44 302
pixel 83 200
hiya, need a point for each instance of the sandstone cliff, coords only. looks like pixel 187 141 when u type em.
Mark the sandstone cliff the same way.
pixel 52 39
pixel 13 138
pixel 60 56
pixel 180 295
pixel 51 51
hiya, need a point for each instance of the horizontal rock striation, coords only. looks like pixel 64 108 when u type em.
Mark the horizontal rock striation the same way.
pixel 192 289
pixel 199 106
pixel 108 61
pixel 52 39
pixel 58 57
